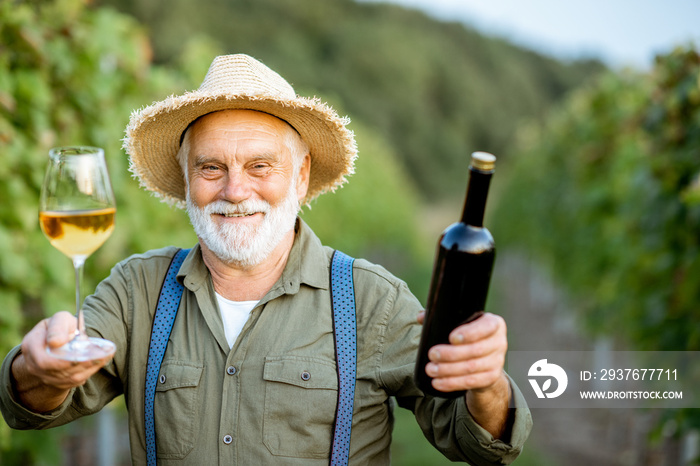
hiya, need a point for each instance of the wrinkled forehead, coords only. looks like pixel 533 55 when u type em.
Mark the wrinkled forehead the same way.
pixel 250 131
pixel 242 119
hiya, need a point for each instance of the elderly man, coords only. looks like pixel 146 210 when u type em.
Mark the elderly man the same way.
pixel 250 373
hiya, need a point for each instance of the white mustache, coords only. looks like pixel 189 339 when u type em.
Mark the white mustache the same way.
pixel 247 207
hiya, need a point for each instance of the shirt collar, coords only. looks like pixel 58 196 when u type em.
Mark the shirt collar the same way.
pixel 308 261
pixel 193 272
pixel 307 264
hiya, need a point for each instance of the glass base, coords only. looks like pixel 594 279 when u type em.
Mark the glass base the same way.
pixel 88 349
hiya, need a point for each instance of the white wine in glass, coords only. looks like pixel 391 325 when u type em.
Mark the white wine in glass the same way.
pixel 76 213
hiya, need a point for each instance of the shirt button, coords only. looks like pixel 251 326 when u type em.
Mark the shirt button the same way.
pixel 228 439
pixel 230 370
pixel 305 376
pixel 162 378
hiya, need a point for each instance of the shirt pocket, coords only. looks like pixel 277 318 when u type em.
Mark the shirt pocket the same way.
pixel 175 408
pixel 301 395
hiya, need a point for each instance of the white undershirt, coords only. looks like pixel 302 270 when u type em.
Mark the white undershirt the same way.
pixel 234 314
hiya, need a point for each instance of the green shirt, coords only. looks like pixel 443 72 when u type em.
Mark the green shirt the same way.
pixel 250 405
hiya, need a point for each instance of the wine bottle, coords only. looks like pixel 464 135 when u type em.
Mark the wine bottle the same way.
pixel 462 272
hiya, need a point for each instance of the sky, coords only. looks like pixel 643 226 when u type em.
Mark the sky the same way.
pixel 619 32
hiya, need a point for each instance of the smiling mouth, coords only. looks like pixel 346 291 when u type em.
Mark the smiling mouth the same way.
pixel 250 214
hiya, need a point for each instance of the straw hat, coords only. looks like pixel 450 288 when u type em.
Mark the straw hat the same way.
pixel 237 82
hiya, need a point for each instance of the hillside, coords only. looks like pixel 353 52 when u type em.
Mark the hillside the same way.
pixel 435 90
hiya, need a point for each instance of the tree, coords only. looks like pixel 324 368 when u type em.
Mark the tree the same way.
pixel 68 75
pixel 607 193
pixel 436 91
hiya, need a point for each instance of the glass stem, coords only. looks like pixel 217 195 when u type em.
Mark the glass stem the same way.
pixel 78 266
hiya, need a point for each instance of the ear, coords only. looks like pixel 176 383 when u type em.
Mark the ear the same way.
pixel 303 177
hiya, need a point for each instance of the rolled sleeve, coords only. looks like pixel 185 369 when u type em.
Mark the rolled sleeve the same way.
pixel 492 451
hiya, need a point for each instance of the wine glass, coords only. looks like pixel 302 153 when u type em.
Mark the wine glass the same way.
pixel 76 213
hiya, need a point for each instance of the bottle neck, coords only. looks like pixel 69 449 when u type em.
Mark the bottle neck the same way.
pixel 475 202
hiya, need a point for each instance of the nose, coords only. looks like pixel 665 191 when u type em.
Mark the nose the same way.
pixel 237 187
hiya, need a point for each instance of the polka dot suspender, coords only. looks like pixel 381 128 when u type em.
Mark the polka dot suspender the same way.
pixel 168 302
pixel 344 332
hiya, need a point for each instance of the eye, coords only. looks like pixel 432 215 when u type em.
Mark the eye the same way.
pixel 210 168
pixel 259 168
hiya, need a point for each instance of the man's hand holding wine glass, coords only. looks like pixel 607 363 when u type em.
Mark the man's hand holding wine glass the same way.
pixel 56 376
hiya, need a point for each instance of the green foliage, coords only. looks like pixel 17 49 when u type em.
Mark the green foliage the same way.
pixel 68 75
pixel 375 215
pixel 606 193
pixel 436 91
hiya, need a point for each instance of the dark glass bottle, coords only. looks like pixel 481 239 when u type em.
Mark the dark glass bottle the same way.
pixel 462 271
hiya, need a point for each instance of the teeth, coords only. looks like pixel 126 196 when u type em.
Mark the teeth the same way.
pixel 237 215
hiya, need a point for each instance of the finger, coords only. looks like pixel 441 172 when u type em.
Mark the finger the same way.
pixel 476 381
pixel 48 369
pixel 497 343
pixel 421 317
pixel 478 329
pixel 493 361
pixel 34 343
pixel 72 373
pixel 51 370
pixel 68 374
pixel 82 371
pixel 61 329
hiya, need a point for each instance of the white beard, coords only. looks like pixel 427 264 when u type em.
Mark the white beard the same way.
pixel 244 245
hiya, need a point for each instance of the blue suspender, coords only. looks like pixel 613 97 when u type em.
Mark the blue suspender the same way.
pixel 168 303
pixel 344 332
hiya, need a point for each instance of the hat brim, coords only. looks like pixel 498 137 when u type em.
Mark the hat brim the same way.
pixel 153 139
